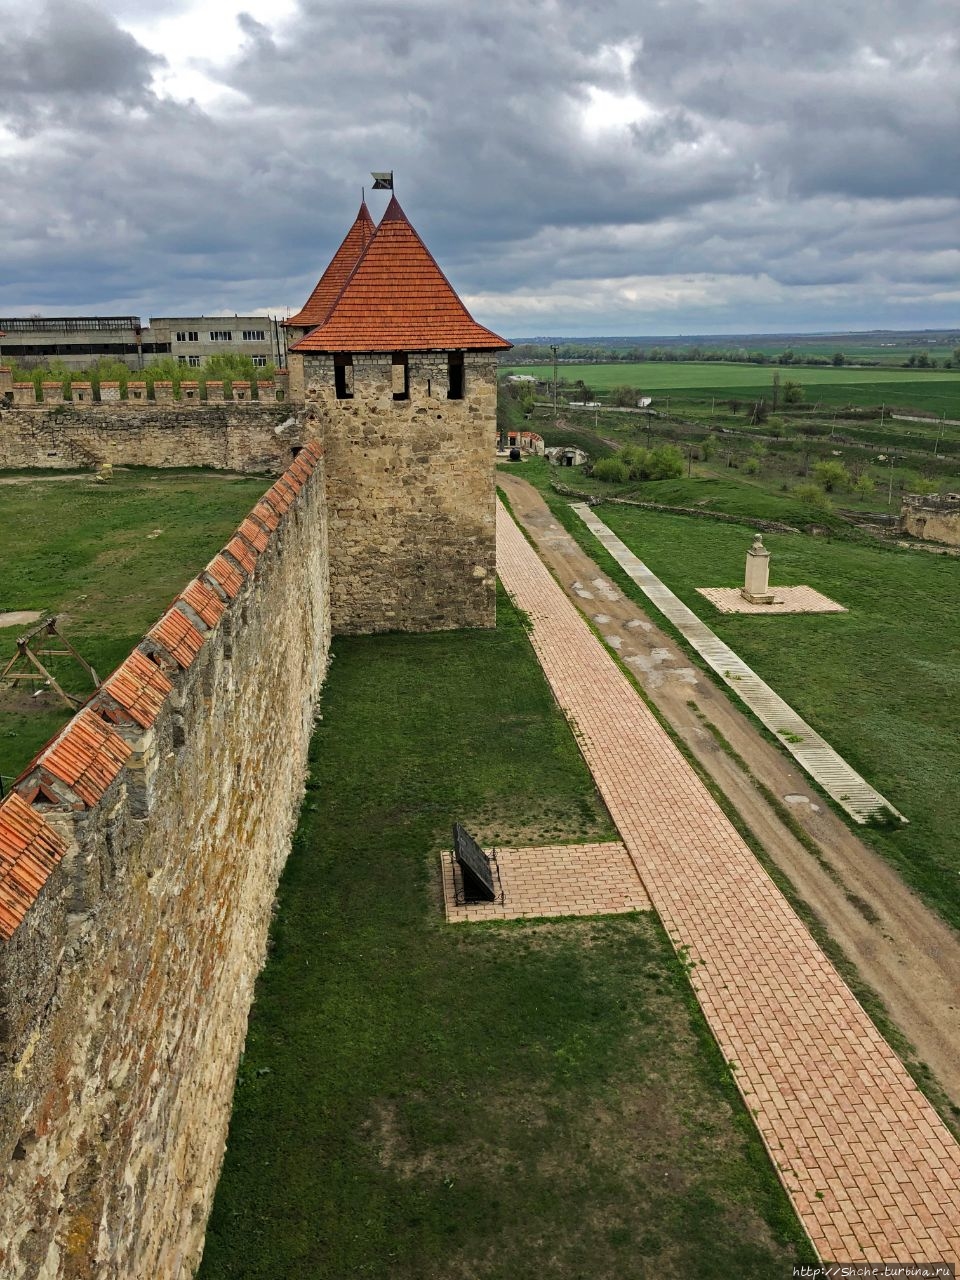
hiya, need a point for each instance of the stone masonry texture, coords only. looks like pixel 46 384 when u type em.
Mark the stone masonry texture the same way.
pixel 232 437
pixel 124 992
pixel 410 491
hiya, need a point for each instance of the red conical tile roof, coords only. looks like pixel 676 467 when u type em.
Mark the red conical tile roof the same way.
pixel 317 307
pixel 398 299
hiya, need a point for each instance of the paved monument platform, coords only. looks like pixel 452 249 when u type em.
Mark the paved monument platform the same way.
pixel 551 880
pixel 872 1170
pixel 786 600
pixel 825 765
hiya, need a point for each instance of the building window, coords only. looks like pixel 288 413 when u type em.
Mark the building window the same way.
pixel 401 376
pixel 455 375
pixel 259 361
pixel 254 335
pixel 181 359
pixel 343 376
pixel 221 335
pixel 193 361
pixel 188 335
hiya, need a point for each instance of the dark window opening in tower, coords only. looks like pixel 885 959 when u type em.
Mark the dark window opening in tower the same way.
pixel 343 376
pixel 455 375
pixel 401 376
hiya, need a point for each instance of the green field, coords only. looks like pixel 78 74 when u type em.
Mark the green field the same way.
pixel 936 391
pixel 527 1101
pixel 881 683
pixel 109 558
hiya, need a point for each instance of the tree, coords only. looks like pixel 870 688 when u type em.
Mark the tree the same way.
pixel 865 486
pixel 792 392
pixel 839 358
pixel 624 397
pixel 775 397
pixel 832 475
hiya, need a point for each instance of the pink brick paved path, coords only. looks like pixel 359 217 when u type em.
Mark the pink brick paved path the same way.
pixel 872 1171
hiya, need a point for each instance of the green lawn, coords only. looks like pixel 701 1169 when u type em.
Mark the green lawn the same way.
pixel 110 558
pixel 881 682
pixel 529 1101
pixel 935 391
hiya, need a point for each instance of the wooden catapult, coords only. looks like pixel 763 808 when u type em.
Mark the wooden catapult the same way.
pixel 29 657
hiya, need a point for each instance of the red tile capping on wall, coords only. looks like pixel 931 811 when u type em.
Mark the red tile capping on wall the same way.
pixel 244 554
pixel 85 758
pixel 266 515
pixel 138 688
pixel 204 601
pixel 178 636
pixel 79 764
pixel 255 534
pixel 227 576
pixel 29 851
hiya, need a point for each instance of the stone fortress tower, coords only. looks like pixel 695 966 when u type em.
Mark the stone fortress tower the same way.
pixel 399 386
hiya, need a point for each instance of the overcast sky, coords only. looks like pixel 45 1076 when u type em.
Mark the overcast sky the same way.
pixel 576 166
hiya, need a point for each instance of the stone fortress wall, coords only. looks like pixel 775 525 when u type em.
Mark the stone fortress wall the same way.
pixel 139 857
pixel 249 437
pixel 932 517
pixel 410 487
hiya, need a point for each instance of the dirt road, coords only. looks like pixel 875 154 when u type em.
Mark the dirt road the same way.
pixel 902 949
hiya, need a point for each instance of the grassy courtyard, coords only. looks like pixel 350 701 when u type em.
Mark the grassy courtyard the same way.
pixel 880 682
pixel 109 558
pixel 529 1101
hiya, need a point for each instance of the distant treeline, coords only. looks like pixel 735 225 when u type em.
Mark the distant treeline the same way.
pixel 587 353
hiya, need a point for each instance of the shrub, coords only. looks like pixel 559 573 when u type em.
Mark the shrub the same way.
pixel 865 485
pixel 813 496
pixel 611 470
pixel 751 467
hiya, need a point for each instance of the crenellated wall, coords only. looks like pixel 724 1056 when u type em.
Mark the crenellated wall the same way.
pixel 234 436
pixel 139 856
pixel 410 489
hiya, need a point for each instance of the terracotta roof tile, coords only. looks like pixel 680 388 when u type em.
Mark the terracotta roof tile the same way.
pixel 139 687
pixel 177 634
pixel 87 756
pixel 204 602
pixel 317 307
pixel 244 554
pixel 279 498
pixel 255 534
pixel 266 514
pixel 292 481
pixel 398 299
pixel 226 574
pixel 29 851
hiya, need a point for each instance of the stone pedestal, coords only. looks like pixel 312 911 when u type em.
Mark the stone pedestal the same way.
pixel 756 587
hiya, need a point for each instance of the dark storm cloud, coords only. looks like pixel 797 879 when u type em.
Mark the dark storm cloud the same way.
pixel 71 57
pixel 800 164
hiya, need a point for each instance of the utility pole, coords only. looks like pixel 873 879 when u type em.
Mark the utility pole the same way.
pixel 882 409
pixel 554 349
pixel 890 487
pixel 936 447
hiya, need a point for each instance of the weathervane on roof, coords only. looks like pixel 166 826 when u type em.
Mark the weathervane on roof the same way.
pixel 382 181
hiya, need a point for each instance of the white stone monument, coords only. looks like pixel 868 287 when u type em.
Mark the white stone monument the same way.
pixel 756 587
